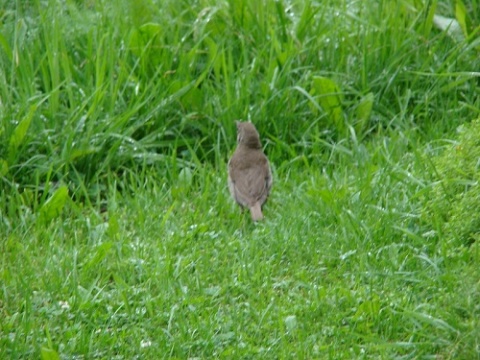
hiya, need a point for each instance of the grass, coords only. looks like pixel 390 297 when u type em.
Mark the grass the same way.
pixel 119 238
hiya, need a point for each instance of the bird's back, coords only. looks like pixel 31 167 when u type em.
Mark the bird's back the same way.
pixel 250 176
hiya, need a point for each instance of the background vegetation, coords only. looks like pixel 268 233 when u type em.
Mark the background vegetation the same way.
pixel 118 237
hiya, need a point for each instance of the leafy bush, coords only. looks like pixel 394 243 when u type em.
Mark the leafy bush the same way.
pixel 455 197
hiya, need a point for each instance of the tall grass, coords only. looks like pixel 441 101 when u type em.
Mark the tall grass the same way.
pixel 104 85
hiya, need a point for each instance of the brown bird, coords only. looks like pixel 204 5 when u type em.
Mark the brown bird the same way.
pixel 249 174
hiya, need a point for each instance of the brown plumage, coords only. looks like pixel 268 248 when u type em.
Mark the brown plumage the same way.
pixel 249 174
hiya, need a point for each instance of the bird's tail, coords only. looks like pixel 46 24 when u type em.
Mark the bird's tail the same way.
pixel 256 211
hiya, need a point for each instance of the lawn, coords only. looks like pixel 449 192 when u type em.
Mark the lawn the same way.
pixel 119 238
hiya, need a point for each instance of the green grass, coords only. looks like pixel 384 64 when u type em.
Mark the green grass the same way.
pixel 119 238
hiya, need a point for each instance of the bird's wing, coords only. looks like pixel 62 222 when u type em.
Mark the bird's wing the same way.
pixel 251 184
